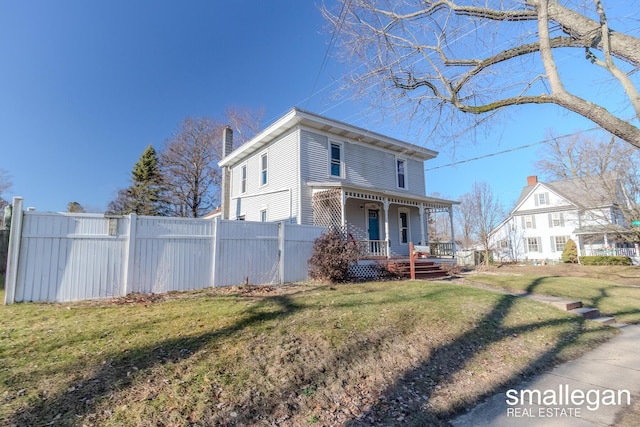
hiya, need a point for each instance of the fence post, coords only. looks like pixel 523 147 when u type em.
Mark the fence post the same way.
pixel 216 251
pixel 412 261
pixel 13 256
pixel 281 251
pixel 130 253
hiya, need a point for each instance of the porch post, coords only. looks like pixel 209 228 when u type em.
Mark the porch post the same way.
pixel 422 237
pixel 343 215
pixel 386 226
pixel 578 247
pixel 453 237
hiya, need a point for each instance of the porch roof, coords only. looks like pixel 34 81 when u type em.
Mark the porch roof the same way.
pixel 371 193
pixel 603 229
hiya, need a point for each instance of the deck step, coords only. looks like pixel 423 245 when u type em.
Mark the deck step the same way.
pixel 423 269
pixel 586 312
pixel 567 305
pixel 606 320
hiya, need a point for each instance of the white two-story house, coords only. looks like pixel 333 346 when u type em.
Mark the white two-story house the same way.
pixel 547 215
pixel 309 169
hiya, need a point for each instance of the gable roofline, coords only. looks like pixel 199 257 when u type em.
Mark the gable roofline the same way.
pixel 530 189
pixel 573 191
pixel 297 117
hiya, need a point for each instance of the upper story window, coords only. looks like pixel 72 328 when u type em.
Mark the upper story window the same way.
pixel 529 221
pixel 263 169
pixel 542 199
pixel 243 179
pixel 556 219
pixel 335 159
pixel 401 168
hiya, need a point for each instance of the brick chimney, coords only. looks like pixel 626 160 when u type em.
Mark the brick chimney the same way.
pixel 532 180
pixel 225 191
pixel 227 141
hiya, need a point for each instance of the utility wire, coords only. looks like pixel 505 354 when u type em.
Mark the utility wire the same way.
pixel 510 150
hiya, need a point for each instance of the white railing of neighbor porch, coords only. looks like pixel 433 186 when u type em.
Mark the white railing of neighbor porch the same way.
pixel 58 257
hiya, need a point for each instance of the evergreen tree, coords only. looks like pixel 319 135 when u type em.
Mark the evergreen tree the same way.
pixel 570 252
pixel 145 195
pixel 75 207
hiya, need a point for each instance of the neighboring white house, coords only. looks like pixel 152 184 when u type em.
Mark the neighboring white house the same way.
pixel 309 169
pixel 547 215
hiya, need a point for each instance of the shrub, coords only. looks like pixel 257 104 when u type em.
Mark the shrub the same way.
pixel 605 260
pixel 570 252
pixel 332 256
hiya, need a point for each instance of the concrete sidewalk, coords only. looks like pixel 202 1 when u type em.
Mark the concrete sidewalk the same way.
pixel 602 375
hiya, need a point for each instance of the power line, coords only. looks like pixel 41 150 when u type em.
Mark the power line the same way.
pixel 510 150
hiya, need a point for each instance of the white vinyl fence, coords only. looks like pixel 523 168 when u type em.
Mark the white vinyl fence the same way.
pixel 68 257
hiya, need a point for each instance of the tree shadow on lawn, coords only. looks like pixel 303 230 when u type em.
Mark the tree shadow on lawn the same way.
pixel 67 406
pixel 406 401
pixel 78 398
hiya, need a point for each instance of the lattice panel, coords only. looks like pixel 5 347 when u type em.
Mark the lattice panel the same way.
pixel 327 209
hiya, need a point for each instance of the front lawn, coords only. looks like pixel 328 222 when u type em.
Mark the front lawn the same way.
pixel 394 352
pixel 615 291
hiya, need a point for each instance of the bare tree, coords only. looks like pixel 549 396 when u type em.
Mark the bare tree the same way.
pixel 245 123
pixel 189 166
pixel 5 185
pixel 465 217
pixel 190 159
pixel 441 57
pixel 485 211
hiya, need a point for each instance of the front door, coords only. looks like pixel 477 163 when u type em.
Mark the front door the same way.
pixel 374 224
pixel 374 231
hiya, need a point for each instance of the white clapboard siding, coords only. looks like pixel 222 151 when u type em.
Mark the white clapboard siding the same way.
pixel 71 257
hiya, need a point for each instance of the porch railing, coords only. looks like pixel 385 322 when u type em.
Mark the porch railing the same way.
pixel 373 248
pixel 441 249
pixel 630 252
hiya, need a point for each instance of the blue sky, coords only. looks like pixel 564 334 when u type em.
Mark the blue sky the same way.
pixel 86 85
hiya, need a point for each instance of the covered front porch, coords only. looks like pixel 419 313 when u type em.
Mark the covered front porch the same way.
pixel 609 240
pixel 383 223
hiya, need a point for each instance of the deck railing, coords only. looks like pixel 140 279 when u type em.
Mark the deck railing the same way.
pixel 441 249
pixel 630 252
pixel 373 248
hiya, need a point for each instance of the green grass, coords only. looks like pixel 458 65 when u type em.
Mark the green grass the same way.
pixel 298 355
pixel 610 297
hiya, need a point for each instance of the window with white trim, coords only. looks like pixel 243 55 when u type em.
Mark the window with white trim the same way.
pixel 529 221
pixel 401 173
pixel 403 223
pixel 243 179
pixel 263 169
pixel 558 242
pixel 542 199
pixel 263 215
pixel 556 219
pixel 335 159
pixel 533 244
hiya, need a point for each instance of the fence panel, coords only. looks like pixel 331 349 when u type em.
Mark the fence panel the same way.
pixel 298 247
pixel 4 250
pixel 247 252
pixel 172 254
pixel 68 257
